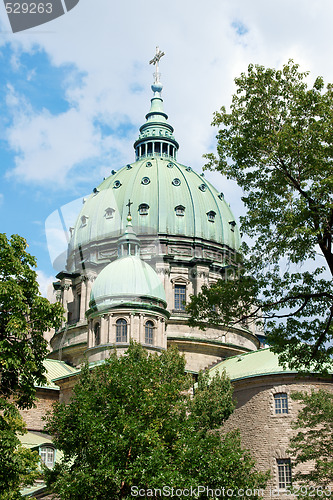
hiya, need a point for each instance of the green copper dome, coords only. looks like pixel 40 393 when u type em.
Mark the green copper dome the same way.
pixel 127 279
pixel 158 188
pixel 168 197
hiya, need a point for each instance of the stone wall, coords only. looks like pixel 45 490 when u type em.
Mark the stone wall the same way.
pixel 263 432
pixel 34 416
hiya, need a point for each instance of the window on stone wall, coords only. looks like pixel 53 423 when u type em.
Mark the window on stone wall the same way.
pixel 47 456
pixel 281 403
pixel 121 330
pixel 180 297
pixel 149 332
pixel 284 472
pixel 97 332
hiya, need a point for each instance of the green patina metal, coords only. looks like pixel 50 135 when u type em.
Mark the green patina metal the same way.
pixel 126 280
pixel 253 364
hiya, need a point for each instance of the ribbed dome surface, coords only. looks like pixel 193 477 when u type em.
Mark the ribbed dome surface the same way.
pixel 126 277
pixel 162 185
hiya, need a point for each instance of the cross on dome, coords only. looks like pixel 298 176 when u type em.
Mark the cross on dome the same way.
pixel 156 59
pixel 129 207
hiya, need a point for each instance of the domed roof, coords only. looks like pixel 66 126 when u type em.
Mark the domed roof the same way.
pixel 168 197
pixel 162 185
pixel 127 279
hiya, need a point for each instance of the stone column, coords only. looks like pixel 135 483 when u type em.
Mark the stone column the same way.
pixel 91 276
pixel 104 329
pixel 109 338
pixel 83 299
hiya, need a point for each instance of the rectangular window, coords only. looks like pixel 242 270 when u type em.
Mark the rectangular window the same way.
pixel 47 456
pixel 281 403
pixel 180 297
pixel 284 471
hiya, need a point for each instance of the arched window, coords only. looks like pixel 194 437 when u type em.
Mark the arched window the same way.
pixel 47 456
pixel 97 332
pixel 121 330
pixel 149 332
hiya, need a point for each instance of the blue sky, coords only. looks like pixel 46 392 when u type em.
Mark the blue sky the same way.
pixel 74 92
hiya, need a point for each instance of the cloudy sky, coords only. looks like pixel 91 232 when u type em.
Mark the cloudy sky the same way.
pixel 74 91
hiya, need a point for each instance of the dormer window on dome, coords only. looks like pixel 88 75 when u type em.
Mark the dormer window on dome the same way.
pixel 109 213
pixel 143 209
pixel 180 210
pixel 84 220
pixel 211 215
pixel 116 184
pixel 232 225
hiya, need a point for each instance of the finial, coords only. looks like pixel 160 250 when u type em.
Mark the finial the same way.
pixel 157 86
pixel 129 216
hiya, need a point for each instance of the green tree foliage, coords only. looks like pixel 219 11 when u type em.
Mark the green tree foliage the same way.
pixel 24 316
pixel 18 465
pixel 313 444
pixel 132 422
pixel 277 144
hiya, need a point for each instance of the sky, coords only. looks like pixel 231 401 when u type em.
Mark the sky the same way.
pixel 74 91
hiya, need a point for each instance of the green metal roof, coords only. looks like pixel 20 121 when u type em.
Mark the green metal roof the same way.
pixel 56 369
pixel 166 188
pixel 34 439
pixel 252 364
pixel 126 278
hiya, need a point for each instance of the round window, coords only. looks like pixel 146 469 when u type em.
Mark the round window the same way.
pixel 116 184
pixel 170 165
pixel 149 164
pixel 176 182
pixel 145 180
pixel 202 187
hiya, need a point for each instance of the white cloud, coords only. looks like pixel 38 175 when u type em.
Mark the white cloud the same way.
pixel 203 55
pixel 45 284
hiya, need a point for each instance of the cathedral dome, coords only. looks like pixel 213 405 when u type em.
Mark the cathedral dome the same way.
pixel 126 280
pixel 168 198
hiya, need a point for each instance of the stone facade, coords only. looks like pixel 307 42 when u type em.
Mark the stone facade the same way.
pixel 265 433
pixel 33 417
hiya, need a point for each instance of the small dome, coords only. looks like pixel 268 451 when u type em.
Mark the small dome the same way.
pixel 125 280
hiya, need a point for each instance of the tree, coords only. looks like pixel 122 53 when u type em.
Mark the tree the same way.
pixel 18 465
pixel 24 316
pixel 313 443
pixel 277 144
pixel 132 425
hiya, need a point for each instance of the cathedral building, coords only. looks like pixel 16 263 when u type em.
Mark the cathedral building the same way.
pixel 146 239
pixel 122 282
